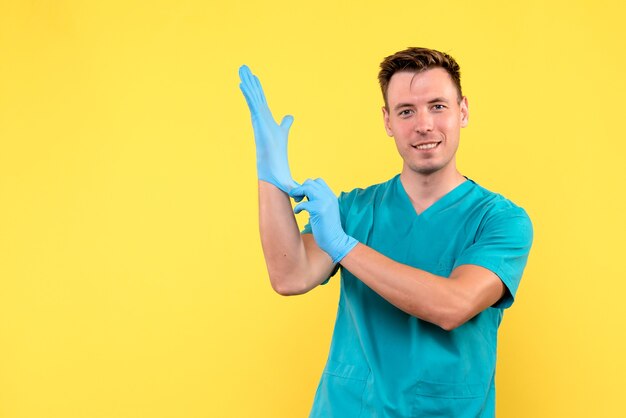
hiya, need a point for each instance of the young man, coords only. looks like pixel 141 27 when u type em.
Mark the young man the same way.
pixel 429 259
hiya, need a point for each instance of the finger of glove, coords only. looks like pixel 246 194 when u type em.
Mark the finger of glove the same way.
pixel 249 101
pixel 286 123
pixel 297 193
pixel 247 78
pixel 306 189
pixel 324 188
pixel 254 92
pixel 253 104
pixel 245 75
pixel 322 183
pixel 259 89
pixel 250 87
pixel 307 206
pixel 290 185
pixel 295 196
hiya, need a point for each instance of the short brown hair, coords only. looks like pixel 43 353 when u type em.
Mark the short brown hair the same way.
pixel 418 60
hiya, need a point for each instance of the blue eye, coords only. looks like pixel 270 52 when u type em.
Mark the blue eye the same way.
pixel 405 112
pixel 439 107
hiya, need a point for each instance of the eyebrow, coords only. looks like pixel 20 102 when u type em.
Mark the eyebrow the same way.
pixel 401 105
pixel 438 99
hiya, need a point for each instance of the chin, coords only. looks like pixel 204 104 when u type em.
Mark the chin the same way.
pixel 426 169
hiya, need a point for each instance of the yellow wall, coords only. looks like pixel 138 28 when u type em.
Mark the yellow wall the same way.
pixel 131 277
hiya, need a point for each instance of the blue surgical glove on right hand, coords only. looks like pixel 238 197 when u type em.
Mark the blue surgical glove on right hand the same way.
pixel 270 138
pixel 324 217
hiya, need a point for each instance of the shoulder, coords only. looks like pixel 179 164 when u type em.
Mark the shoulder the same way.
pixel 365 196
pixel 498 212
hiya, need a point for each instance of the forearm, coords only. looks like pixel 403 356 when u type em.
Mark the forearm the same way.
pixel 446 302
pixel 417 292
pixel 294 265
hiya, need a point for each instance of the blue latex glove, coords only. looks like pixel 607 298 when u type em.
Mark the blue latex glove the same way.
pixel 270 138
pixel 324 218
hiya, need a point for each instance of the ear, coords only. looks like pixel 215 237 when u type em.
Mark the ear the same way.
pixel 386 121
pixel 464 105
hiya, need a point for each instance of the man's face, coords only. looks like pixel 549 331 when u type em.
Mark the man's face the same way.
pixel 425 118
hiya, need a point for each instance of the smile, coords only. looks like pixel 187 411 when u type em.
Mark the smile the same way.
pixel 426 146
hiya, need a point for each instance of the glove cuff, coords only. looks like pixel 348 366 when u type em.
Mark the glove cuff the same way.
pixel 346 245
pixel 281 179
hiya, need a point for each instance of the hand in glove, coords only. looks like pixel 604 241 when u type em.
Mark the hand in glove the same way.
pixel 323 208
pixel 270 138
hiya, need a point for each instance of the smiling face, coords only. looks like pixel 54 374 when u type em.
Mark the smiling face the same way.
pixel 425 118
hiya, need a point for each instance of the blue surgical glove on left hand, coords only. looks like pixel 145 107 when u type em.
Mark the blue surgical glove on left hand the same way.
pixel 324 218
pixel 270 138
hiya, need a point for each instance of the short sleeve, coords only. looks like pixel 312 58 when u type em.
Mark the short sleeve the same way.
pixel 502 245
pixel 307 229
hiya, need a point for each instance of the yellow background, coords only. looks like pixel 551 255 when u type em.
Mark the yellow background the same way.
pixel 132 282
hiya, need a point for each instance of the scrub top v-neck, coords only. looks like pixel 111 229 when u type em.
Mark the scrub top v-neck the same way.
pixel 384 362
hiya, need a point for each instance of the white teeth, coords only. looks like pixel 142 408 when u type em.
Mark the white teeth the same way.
pixel 428 146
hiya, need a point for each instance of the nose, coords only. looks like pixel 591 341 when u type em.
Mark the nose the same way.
pixel 423 122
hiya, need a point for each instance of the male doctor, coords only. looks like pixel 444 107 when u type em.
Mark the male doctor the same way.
pixel 429 259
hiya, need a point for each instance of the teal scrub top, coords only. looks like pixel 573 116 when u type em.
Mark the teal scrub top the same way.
pixel 384 362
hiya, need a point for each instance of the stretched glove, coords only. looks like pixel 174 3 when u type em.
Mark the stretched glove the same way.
pixel 324 218
pixel 270 138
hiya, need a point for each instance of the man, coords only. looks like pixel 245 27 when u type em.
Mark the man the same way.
pixel 429 259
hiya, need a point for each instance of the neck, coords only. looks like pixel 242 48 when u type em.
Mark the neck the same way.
pixel 426 189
